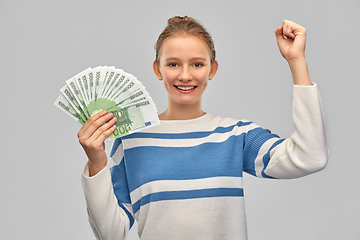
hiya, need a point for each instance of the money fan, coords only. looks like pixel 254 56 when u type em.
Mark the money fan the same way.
pixel 111 89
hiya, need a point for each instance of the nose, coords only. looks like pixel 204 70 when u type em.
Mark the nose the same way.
pixel 185 74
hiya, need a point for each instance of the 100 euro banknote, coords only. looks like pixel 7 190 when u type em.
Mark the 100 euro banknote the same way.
pixel 111 89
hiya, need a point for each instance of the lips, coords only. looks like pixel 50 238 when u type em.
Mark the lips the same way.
pixel 185 87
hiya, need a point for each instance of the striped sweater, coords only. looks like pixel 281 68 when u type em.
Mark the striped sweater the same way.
pixel 183 179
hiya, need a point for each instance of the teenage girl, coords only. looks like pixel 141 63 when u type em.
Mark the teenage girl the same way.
pixel 183 178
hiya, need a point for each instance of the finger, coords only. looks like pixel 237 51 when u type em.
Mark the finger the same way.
pixel 94 124
pixel 107 133
pixel 288 29
pixel 97 126
pixel 105 130
pixel 279 33
pixel 90 121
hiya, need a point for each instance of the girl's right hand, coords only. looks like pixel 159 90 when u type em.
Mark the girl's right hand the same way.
pixel 92 136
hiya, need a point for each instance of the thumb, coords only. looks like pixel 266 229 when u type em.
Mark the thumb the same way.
pixel 279 33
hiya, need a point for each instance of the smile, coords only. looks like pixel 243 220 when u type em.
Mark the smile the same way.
pixel 185 88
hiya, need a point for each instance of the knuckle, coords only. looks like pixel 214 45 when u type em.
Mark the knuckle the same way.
pixel 91 119
pixel 95 124
pixel 105 134
pixel 95 116
pixel 102 128
pixel 82 141
pixel 92 145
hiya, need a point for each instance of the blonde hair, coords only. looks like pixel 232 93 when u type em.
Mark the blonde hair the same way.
pixel 185 25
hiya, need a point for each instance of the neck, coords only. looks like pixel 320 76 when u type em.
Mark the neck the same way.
pixel 182 112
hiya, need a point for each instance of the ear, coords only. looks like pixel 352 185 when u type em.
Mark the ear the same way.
pixel 157 71
pixel 213 70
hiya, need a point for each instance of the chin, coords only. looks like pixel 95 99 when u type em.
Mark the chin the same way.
pixel 189 102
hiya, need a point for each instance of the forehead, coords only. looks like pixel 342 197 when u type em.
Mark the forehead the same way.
pixel 184 47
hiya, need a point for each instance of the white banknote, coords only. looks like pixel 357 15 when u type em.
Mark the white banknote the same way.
pixel 111 89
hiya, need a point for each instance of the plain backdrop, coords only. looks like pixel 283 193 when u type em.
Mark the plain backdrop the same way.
pixel 44 43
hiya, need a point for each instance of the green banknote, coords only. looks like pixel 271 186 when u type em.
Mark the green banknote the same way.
pixel 133 118
pixel 62 103
pixel 66 92
pixel 111 89
pixel 78 95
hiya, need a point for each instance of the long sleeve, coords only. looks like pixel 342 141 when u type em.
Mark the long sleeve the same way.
pixel 181 168
pixel 107 219
pixel 305 152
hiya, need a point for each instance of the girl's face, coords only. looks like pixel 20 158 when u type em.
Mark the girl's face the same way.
pixel 185 68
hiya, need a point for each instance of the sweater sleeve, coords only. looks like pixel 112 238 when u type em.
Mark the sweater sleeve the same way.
pixel 303 153
pixel 107 219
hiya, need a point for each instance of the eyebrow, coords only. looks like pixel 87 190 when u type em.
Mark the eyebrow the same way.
pixel 192 59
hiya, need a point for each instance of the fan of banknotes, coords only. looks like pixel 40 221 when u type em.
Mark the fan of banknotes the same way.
pixel 111 89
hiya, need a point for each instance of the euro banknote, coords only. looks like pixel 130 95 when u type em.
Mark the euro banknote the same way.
pixel 111 89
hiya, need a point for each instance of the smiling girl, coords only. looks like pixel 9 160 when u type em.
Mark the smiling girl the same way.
pixel 183 179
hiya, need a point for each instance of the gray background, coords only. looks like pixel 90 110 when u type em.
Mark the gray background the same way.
pixel 43 43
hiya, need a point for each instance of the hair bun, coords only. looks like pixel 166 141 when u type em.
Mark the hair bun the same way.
pixel 181 26
pixel 180 19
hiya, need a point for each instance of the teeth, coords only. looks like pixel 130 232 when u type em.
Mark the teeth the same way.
pixel 185 88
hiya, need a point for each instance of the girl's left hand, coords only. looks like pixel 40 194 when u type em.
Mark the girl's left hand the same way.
pixel 292 46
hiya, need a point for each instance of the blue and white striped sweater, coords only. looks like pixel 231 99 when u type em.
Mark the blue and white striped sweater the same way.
pixel 161 165
pixel 183 179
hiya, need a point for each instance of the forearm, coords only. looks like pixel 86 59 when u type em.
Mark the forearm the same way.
pixel 95 168
pixel 108 220
pixel 305 152
pixel 299 71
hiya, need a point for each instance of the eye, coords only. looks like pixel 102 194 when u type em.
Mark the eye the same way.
pixel 172 65
pixel 198 65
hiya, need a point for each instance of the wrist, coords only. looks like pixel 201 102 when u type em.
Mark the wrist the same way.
pixel 297 62
pixel 95 168
pixel 299 71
